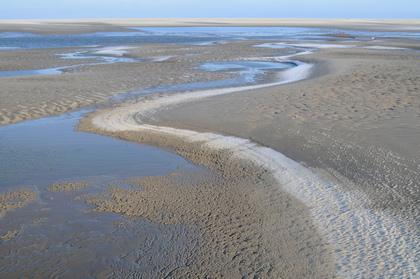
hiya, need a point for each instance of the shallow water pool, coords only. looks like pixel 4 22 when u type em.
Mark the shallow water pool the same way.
pixel 44 150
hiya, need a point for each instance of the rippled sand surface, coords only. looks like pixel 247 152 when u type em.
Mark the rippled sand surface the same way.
pixel 343 203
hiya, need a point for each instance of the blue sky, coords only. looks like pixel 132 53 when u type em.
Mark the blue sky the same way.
pixel 76 9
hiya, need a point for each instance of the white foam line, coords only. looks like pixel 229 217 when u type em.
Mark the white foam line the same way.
pixel 328 46
pixel 314 45
pixel 367 244
pixel 385 48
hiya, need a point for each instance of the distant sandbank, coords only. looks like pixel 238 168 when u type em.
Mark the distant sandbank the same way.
pixel 68 26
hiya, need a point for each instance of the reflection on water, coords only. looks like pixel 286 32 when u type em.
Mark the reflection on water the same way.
pixel 50 71
pixel 106 55
pixel 56 238
pixel 51 237
pixel 249 71
pixel 48 149
pixel 184 35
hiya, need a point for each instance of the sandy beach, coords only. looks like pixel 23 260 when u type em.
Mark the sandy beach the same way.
pixel 300 177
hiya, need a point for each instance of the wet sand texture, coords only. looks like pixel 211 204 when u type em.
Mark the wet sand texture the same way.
pixel 360 119
pixel 375 201
pixel 68 186
pixel 15 199
pixel 227 214
pixel 29 97
pixel 354 122
pixel 224 208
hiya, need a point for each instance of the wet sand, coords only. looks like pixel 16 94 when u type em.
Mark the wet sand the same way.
pixel 353 122
pixel 332 124
pixel 29 97
pixel 358 118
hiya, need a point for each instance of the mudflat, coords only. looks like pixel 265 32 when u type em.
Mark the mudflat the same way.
pixel 351 126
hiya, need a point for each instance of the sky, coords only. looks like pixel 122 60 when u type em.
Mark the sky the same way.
pixel 78 9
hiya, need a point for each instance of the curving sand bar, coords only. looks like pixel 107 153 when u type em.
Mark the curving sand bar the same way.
pixel 312 173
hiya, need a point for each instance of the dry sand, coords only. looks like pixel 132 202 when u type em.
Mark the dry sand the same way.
pixel 354 122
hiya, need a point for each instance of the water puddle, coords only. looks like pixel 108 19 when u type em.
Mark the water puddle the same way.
pixel 58 229
pixel 249 71
pixel 106 55
pixel 50 71
pixel 323 45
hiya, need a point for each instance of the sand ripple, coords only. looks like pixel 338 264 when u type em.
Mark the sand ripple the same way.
pixel 354 230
